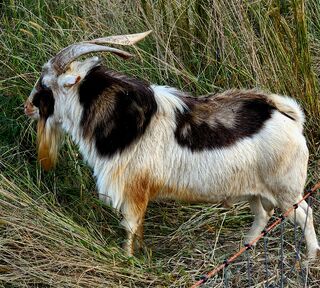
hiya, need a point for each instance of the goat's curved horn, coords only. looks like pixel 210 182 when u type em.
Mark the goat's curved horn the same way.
pixel 72 52
pixel 129 39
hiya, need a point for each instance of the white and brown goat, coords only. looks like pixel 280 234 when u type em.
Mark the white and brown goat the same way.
pixel 146 142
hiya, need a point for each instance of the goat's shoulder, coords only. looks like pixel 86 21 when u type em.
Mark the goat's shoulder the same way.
pixel 116 109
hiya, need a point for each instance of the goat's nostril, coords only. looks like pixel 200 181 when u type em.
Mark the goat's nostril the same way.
pixel 29 108
pixel 28 105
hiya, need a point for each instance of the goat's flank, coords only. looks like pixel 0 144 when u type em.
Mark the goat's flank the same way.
pixel 146 142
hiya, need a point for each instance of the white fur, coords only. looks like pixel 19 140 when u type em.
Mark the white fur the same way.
pixel 289 106
pixel 168 100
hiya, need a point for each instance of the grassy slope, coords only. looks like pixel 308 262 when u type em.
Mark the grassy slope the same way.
pixel 53 230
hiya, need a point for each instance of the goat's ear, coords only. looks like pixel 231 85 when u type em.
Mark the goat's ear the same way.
pixel 70 80
pixel 77 71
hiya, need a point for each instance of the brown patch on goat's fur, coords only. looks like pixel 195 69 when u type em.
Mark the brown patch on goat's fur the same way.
pixel 143 188
pixel 138 192
pixel 48 142
pixel 100 111
pixel 222 107
pixel 116 109
pixel 220 120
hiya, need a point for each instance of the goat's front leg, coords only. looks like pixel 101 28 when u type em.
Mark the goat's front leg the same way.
pixel 129 245
pixel 134 238
pixel 133 218
pixel 140 235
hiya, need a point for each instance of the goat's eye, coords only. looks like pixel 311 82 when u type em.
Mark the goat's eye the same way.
pixel 44 86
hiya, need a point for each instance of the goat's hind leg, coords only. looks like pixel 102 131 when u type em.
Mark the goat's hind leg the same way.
pixel 262 210
pixel 287 193
pixel 304 218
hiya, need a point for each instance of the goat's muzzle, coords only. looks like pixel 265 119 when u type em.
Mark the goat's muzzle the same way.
pixel 30 110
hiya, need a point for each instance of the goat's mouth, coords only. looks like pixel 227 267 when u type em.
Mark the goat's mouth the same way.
pixel 30 113
pixel 30 110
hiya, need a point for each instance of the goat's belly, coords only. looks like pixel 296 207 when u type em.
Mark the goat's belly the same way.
pixel 190 196
pixel 211 188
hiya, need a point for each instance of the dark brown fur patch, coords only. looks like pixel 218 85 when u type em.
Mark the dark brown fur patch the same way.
pixel 116 109
pixel 44 101
pixel 48 138
pixel 218 121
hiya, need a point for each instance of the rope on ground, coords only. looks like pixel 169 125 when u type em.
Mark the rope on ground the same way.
pixel 266 260
pixel 281 264
pixel 204 278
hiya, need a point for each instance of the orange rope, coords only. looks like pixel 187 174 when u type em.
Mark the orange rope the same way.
pixel 262 234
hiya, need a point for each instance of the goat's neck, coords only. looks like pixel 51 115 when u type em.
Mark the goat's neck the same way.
pixel 69 115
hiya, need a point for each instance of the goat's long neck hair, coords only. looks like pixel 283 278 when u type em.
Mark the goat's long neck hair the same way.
pixel 48 140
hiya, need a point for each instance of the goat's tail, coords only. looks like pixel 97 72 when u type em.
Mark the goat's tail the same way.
pixel 289 107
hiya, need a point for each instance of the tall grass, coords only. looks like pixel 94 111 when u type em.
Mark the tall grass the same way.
pixel 53 229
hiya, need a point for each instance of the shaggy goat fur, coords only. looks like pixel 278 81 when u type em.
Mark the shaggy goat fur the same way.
pixel 146 142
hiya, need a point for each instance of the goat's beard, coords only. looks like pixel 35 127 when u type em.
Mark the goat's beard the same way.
pixel 48 140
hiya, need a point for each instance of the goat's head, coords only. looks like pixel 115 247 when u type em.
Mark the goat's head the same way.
pixel 60 76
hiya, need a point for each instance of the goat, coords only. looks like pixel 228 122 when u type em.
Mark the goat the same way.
pixel 146 142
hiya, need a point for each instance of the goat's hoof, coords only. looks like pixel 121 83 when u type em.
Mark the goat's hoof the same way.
pixel 314 256
pixel 314 264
